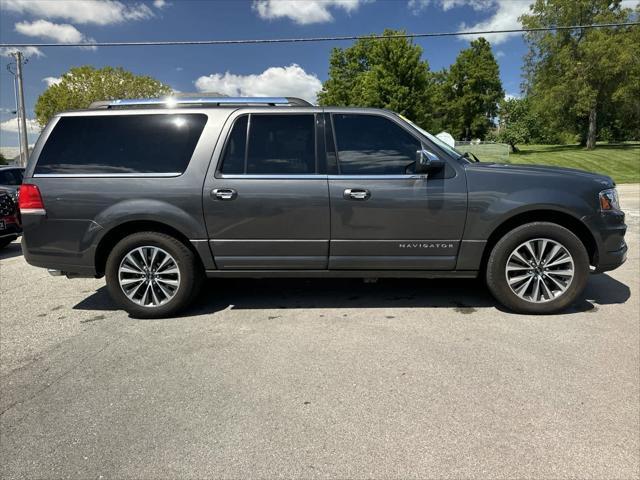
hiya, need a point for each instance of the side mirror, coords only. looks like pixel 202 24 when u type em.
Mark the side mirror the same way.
pixel 427 161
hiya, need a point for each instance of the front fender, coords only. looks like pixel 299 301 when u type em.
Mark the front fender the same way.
pixel 488 210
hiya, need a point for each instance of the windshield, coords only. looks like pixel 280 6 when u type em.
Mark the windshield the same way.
pixel 444 146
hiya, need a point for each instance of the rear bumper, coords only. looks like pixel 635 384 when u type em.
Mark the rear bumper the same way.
pixel 67 246
pixel 56 262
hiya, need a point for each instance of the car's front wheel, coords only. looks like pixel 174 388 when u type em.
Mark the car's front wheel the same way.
pixel 152 275
pixel 538 268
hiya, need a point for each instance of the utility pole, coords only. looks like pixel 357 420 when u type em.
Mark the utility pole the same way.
pixel 22 116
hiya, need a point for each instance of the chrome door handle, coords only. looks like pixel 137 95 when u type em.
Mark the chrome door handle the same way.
pixel 357 194
pixel 224 193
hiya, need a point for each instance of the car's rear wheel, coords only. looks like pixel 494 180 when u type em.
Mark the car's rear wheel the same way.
pixel 152 275
pixel 538 268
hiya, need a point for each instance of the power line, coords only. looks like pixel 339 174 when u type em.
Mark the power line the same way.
pixel 312 39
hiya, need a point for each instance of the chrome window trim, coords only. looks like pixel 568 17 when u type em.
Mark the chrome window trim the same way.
pixel 411 176
pixel 107 175
pixel 317 176
pixel 236 176
pixel 280 176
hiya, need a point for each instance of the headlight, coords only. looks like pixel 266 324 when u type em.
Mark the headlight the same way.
pixel 609 200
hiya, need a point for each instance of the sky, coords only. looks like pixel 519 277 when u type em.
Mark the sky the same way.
pixel 285 69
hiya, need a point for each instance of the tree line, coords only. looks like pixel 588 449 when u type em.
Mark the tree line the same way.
pixel 390 73
pixel 578 86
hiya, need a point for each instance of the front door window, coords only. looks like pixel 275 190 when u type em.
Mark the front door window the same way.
pixel 373 145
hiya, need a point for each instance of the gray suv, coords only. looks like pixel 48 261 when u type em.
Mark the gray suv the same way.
pixel 156 195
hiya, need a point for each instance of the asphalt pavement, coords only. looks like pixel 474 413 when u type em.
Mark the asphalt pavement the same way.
pixel 320 378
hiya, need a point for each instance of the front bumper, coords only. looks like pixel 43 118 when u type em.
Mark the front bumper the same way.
pixel 612 260
pixel 609 230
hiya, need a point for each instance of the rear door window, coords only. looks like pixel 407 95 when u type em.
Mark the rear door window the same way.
pixel 278 144
pixel 121 144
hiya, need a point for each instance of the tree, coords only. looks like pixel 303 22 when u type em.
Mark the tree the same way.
pixel 622 115
pixel 518 124
pixel 82 85
pixel 471 91
pixel 573 76
pixel 387 73
pixel 3 159
pixel 439 101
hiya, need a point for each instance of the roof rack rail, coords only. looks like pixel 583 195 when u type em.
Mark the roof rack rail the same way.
pixel 171 102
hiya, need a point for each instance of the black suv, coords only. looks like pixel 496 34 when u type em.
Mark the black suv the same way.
pixel 11 177
pixel 158 194
pixel 9 217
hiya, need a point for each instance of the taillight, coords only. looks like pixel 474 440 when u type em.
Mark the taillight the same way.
pixel 30 200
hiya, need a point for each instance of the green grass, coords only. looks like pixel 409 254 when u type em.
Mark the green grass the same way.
pixel 620 161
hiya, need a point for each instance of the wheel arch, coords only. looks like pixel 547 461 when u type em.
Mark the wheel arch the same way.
pixel 563 219
pixel 117 233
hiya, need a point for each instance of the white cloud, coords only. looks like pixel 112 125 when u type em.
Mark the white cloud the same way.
pixel 477 5
pixel 61 33
pixel 291 81
pixel 511 96
pixel 28 52
pixel 11 126
pixel 504 17
pixel 51 80
pixel 500 54
pixel 160 4
pixel 179 69
pixel 64 33
pixel 303 13
pixel 417 5
pixel 81 11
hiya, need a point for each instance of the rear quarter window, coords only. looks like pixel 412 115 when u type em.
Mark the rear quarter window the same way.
pixel 121 144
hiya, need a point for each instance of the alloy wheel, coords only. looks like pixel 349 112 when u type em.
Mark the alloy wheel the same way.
pixel 539 270
pixel 149 276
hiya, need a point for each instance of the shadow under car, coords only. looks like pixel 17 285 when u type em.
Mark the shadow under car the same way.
pixel 464 295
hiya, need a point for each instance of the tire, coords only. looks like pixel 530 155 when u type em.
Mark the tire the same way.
pixel 550 275
pixel 176 282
